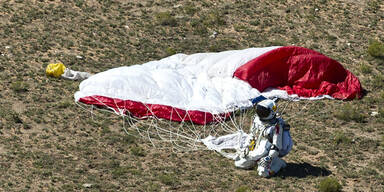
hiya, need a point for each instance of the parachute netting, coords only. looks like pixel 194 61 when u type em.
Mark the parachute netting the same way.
pixel 185 135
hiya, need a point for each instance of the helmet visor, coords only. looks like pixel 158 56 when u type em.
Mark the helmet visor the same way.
pixel 262 112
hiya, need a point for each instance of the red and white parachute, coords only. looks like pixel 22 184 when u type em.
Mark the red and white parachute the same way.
pixel 209 88
pixel 206 87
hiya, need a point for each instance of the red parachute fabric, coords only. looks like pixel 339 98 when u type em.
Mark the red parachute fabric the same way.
pixel 142 110
pixel 300 71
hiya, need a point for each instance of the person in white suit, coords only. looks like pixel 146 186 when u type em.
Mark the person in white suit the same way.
pixel 270 140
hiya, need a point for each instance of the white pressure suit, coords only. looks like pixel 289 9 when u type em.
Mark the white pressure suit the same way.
pixel 266 145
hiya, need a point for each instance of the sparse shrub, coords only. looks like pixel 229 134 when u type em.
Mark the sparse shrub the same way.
pixel 329 184
pixel 380 115
pixel 168 179
pixel 138 151
pixel 341 138
pixel 213 48
pixel 382 142
pixel 243 188
pixel 153 187
pixel 240 28
pixel 200 30
pixel 190 9
pixel 214 18
pixel 170 51
pixel 255 22
pixel 79 3
pixel 373 6
pixel 381 95
pixel 365 69
pixel 165 18
pixel 349 113
pixel 376 49
pixel 119 171
pixel 378 81
pixel 16 118
pixel 19 86
pixel 129 139
pixel 64 104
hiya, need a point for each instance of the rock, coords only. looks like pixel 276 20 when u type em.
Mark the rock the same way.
pixel 87 185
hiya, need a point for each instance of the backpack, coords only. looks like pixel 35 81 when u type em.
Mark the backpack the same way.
pixel 287 143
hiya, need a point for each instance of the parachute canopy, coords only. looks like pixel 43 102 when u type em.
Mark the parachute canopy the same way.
pixel 207 87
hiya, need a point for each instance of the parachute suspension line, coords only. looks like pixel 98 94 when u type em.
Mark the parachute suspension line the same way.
pixel 205 125
pixel 285 106
pixel 160 132
pixel 178 129
pixel 184 136
pixel 227 128
pixel 125 130
pixel 196 135
pixel 161 129
pixel 194 131
pixel 242 116
pixel 238 115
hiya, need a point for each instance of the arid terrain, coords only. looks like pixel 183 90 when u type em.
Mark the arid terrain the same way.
pixel 48 143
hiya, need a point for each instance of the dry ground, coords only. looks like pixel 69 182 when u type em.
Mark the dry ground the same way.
pixel 47 143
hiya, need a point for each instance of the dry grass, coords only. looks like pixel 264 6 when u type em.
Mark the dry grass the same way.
pixel 49 144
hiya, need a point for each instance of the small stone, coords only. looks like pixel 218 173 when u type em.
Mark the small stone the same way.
pixel 79 57
pixel 374 113
pixel 87 185
pixel 214 34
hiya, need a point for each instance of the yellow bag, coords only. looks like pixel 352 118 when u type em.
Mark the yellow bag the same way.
pixel 55 69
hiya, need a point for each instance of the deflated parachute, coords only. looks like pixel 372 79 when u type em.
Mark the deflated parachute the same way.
pixel 207 87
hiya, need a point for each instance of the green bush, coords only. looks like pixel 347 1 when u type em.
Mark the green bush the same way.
pixel 376 49
pixel 170 51
pixel 214 18
pixel 168 179
pixel 380 116
pixel 349 113
pixel 165 18
pixel 190 9
pixel 19 86
pixel 329 184
pixel 243 188
pixel 138 151
pixel 341 138
pixel 365 69
pixel 378 81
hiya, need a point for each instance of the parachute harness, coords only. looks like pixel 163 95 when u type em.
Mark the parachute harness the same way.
pixel 254 143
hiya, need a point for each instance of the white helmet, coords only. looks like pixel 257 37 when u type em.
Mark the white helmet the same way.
pixel 266 109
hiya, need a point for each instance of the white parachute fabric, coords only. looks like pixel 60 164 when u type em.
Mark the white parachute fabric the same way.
pixel 234 142
pixel 75 75
pixel 202 82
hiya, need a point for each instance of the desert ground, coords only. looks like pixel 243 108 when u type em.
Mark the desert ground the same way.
pixel 48 143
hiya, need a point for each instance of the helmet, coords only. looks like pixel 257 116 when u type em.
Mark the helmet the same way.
pixel 266 109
